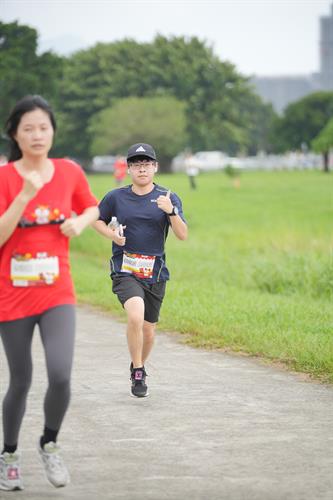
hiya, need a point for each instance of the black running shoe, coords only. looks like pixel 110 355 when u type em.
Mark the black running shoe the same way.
pixel 132 368
pixel 139 388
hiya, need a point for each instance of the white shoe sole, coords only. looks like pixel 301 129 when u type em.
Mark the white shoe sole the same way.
pixel 3 487
pixel 56 485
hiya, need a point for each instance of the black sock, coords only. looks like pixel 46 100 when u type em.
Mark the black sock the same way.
pixel 49 435
pixel 9 448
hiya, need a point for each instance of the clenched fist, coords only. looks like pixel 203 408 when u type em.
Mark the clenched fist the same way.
pixel 32 183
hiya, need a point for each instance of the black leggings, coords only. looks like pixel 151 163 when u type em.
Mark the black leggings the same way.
pixel 57 331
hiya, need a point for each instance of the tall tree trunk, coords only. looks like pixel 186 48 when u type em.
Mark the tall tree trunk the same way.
pixel 326 157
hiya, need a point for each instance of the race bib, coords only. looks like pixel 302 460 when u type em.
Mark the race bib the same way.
pixel 141 266
pixel 41 270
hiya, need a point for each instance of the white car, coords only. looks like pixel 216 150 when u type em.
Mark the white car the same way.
pixel 204 161
pixel 207 160
pixel 102 164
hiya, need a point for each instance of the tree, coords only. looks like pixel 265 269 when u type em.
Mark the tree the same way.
pixel 222 111
pixel 22 70
pixel 323 142
pixel 94 79
pixel 302 121
pixel 260 125
pixel 160 121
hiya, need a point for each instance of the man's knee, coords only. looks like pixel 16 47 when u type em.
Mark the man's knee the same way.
pixel 135 321
pixel 149 330
pixel 135 310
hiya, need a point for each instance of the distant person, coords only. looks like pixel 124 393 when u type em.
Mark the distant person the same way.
pixel 120 170
pixel 37 197
pixel 191 170
pixel 145 212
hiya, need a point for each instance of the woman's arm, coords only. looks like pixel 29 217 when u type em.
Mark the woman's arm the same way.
pixel 75 225
pixel 10 218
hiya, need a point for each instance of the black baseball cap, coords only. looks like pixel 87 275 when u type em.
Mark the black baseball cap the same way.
pixel 141 149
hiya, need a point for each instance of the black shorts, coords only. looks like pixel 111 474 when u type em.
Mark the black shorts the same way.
pixel 126 287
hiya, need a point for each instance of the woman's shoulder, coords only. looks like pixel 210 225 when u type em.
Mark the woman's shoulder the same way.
pixel 68 167
pixel 66 162
pixel 7 169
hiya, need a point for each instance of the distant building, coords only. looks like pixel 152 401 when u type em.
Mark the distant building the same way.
pixel 326 51
pixel 282 90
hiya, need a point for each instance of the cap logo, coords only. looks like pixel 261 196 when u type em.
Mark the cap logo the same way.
pixel 140 148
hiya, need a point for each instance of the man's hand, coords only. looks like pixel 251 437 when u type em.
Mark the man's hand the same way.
pixel 118 236
pixel 164 202
pixel 115 234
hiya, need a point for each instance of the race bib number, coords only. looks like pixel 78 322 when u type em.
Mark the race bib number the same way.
pixel 141 266
pixel 41 270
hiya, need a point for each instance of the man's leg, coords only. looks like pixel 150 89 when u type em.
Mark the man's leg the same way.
pixel 148 339
pixel 135 313
pixel 153 302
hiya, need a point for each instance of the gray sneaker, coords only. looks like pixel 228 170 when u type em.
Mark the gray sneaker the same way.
pixel 10 473
pixel 55 469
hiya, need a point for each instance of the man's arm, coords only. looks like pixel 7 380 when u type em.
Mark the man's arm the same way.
pixel 108 232
pixel 178 225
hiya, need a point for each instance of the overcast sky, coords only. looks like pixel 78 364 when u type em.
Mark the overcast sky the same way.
pixel 263 37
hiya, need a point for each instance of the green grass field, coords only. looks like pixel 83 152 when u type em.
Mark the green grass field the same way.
pixel 255 275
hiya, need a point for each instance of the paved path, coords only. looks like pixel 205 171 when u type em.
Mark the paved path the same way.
pixel 215 426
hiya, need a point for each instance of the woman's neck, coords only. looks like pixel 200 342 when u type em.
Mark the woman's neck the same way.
pixel 42 164
pixel 33 163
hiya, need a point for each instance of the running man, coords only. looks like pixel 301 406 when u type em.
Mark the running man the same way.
pixel 144 212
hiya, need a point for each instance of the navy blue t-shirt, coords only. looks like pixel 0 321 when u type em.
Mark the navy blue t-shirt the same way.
pixel 146 230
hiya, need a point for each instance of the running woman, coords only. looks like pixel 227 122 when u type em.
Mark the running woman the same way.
pixel 144 213
pixel 38 196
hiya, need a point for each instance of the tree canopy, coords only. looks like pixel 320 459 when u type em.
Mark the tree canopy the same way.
pixel 302 121
pixel 156 120
pixel 22 70
pixel 220 109
pixel 323 142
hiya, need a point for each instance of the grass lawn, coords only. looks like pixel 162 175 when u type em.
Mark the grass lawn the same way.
pixel 255 275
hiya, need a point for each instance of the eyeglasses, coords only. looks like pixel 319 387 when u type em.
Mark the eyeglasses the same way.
pixel 137 165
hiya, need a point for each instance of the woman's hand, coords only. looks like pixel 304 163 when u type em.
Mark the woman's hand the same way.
pixel 32 183
pixel 72 227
